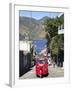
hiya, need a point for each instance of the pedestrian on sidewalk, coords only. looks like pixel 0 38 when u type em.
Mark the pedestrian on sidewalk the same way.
pixel 54 64
pixel 53 61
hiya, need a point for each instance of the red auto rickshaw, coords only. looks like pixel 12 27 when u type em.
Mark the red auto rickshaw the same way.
pixel 41 67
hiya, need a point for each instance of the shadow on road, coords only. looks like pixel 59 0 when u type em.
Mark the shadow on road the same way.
pixel 43 76
pixel 23 71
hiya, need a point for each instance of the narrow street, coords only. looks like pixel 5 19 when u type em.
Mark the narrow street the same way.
pixel 53 72
pixel 41 42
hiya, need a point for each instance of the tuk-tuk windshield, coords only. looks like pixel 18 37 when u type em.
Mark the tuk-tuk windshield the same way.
pixel 41 61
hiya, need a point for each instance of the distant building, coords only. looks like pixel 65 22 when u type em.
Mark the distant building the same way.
pixel 25 46
pixel 61 27
pixel 24 36
pixel 43 51
pixel 60 61
pixel 24 42
pixel 24 54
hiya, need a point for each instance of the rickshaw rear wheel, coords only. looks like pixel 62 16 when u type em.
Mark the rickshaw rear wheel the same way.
pixel 41 76
pixel 37 75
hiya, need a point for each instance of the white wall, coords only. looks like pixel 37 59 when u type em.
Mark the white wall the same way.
pixel 61 31
pixel 25 46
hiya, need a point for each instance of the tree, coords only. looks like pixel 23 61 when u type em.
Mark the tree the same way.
pixel 55 44
pixel 51 25
pixel 54 40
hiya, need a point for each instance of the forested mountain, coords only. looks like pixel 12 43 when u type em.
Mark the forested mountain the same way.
pixel 34 28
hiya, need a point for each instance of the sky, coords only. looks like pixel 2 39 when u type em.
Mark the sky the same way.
pixel 37 14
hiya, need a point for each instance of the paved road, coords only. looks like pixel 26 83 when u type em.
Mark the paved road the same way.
pixel 53 72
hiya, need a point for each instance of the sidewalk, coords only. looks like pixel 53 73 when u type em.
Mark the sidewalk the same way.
pixel 55 71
